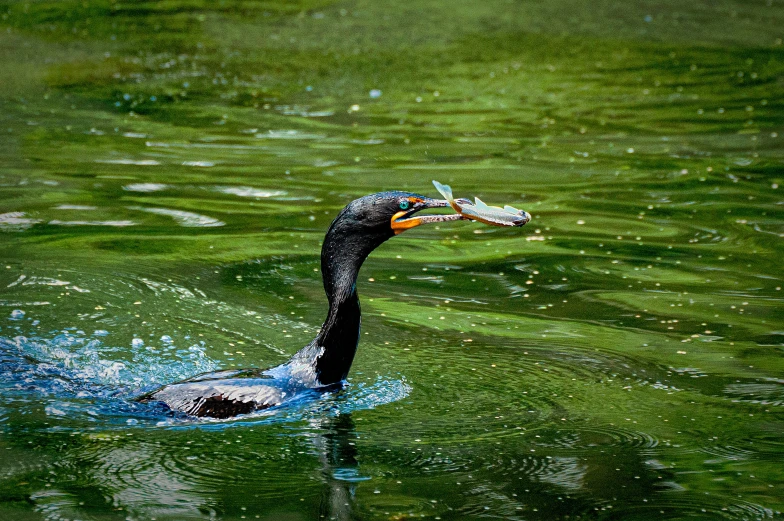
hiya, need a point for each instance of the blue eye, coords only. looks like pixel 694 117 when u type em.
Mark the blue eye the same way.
pixel 404 205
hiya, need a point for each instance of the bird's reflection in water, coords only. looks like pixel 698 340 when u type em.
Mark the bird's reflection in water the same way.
pixel 335 443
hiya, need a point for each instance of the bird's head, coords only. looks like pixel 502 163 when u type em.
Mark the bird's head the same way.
pixel 365 223
pixel 385 214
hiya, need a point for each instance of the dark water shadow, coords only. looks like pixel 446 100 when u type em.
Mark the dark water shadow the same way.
pixel 337 450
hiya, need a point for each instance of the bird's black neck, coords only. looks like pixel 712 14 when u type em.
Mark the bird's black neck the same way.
pixel 339 338
pixel 342 255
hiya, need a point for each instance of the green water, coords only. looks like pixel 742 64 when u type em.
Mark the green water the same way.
pixel 168 170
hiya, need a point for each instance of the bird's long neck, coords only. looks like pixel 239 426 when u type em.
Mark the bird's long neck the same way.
pixel 339 337
pixel 342 256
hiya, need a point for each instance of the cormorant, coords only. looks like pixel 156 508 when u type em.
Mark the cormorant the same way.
pixel 323 364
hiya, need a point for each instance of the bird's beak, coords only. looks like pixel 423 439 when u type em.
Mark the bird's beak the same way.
pixel 403 219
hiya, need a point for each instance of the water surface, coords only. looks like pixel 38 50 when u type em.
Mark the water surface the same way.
pixel 168 170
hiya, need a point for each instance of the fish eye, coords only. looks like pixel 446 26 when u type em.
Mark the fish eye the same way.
pixel 404 205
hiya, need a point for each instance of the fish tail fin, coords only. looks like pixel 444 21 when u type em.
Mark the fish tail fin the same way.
pixel 444 190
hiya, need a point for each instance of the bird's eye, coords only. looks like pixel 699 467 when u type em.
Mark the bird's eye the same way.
pixel 404 205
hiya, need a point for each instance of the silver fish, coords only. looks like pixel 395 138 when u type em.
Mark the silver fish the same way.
pixel 479 211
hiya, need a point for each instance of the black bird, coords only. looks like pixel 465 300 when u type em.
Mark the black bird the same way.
pixel 323 364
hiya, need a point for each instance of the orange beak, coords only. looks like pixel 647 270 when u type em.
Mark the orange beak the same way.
pixel 401 224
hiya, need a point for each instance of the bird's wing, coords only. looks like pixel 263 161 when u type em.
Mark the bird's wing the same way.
pixel 226 373
pixel 221 398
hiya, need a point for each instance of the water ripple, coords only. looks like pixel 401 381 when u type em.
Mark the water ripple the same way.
pixel 146 187
pixel 183 218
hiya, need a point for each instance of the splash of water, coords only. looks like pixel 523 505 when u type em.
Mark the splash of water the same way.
pixel 74 377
